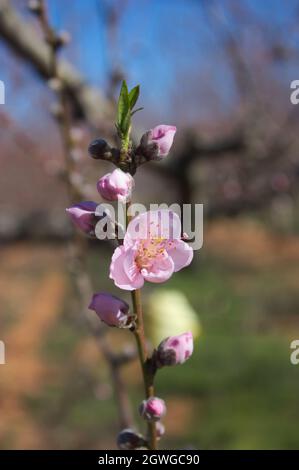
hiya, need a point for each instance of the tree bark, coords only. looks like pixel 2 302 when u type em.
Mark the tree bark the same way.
pixel 88 102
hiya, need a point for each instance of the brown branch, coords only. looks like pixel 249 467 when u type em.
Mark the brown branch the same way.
pixel 87 101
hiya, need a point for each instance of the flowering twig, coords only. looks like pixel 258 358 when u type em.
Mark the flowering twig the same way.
pixel 124 128
pixel 152 250
pixel 153 256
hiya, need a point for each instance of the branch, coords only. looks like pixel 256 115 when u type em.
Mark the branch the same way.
pixel 87 101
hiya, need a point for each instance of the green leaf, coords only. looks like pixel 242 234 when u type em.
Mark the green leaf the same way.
pixel 136 111
pixel 123 108
pixel 133 96
pixel 125 126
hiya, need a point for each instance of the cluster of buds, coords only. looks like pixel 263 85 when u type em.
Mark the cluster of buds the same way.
pixel 171 351
pixel 155 144
pixel 118 185
pixel 152 410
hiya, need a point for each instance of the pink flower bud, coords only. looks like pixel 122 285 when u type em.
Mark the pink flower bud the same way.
pixel 175 350
pixel 152 409
pixel 111 310
pixel 84 217
pixel 158 141
pixel 116 186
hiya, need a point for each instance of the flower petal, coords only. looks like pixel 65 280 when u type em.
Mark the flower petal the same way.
pixel 181 254
pixel 161 270
pixel 163 223
pixel 164 136
pixel 131 269
pixel 119 274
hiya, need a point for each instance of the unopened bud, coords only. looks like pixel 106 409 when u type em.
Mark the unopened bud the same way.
pixel 83 216
pixel 152 409
pixel 111 310
pixel 174 350
pixel 99 149
pixel 156 143
pixel 147 148
pixel 128 439
pixel 116 186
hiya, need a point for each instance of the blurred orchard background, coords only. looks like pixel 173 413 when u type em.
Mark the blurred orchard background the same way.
pixel 221 72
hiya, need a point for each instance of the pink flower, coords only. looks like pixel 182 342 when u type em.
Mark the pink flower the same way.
pixel 158 141
pixel 152 409
pixel 175 350
pixel 111 310
pixel 84 217
pixel 152 250
pixel 116 186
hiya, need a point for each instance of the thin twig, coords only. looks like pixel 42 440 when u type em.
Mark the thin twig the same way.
pixel 147 375
pixel 143 357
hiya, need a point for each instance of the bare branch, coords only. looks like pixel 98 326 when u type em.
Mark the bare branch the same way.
pixel 23 39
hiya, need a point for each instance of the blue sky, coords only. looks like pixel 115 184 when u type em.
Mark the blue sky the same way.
pixel 167 46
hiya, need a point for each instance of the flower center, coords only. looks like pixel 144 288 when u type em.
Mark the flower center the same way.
pixel 148 250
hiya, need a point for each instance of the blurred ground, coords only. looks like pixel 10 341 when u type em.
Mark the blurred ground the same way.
pixel 239 390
